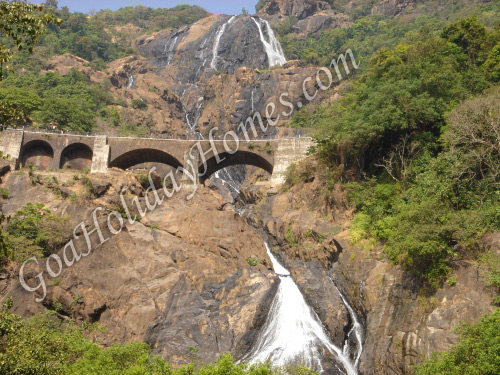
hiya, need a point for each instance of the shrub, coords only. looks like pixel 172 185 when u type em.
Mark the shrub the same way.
pixel 139 104
pixel 33 229
pixel 44 345
pixel 475 353
pixel 253 261
pixel 290 238
pixel 4 193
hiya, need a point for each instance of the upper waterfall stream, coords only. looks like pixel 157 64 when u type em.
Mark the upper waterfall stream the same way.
pixel 272 46
pixel 294 333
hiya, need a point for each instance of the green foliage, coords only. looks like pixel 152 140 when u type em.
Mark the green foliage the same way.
pixel 151 19
pixel 253 261
pixel 111 115
pixel 476 353
pixel 43 345
pixel 492 262
pixel 368 33
pixel 16 105
pixel 131 129
pixel 436 173
pixel 34 230
pixel 299 173
pixel 71 114
pixel 290 238
pixel 470 35
pixel 67 102
pixel 260 4
pixel 407 90
pixel 139 104
pixel 22 25
pixel 4 193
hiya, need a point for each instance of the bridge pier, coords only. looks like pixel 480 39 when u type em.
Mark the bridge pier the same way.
pixel 12 142
pixel 190 174
pixel 100 156
pixel 289 151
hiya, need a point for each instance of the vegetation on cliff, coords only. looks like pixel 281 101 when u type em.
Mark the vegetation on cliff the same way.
pixel 427 156
pixel 369 33
pixel 46 345
pixel 476 353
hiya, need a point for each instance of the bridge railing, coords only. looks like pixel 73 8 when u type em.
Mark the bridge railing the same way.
pixel 47 130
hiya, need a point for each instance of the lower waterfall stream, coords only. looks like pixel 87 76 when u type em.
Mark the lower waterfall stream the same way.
pixel 294 333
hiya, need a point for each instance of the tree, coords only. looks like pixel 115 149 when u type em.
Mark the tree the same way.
pixel 469 34
pixel 16 105
pixel 475 353
pixel 72 113
pixel 52 3
pixel 22 24
pixel 473 138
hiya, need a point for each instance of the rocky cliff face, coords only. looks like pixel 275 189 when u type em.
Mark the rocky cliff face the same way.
pixel 403 324
pixel 312 16
pixel 214 73
pixel 178 279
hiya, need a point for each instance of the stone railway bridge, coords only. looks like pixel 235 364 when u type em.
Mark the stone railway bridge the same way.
pixel 98 153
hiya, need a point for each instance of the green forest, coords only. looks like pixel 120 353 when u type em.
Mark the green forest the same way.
pixel 415 139
pixel 73 101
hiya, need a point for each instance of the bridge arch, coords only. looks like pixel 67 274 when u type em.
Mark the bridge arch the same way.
pixel 76 156
pixel 228 160
pixel 144 155
pixel 37 153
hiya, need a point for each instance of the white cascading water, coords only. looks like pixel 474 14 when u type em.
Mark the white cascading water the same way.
pixel 293 332
pixel 218 35
pixel 169 49
pixel 130 82
pixel 357 329
pixel 226 179
pixel 274 52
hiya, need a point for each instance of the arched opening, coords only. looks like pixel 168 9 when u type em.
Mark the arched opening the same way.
pixel 227 160
pixel 38 154
pixel 76 156
pixel 144 158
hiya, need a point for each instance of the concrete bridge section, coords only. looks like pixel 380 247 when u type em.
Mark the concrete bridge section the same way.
pixel 98 153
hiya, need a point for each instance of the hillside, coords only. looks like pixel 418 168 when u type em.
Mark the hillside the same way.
pixel 379 254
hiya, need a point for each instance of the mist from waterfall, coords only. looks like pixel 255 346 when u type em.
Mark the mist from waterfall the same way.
pixel 272 46
pixel 293 332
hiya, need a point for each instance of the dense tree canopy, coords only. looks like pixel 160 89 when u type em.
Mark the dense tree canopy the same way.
pixel 425 180
pixel 21 26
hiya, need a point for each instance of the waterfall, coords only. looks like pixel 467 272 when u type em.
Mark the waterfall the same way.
pixel 293 331
pixel 224 175
pixel 218 35
pixel 130 82
pixel 275 55
pixel 169 49
pixel 253 106
pixel 357 329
